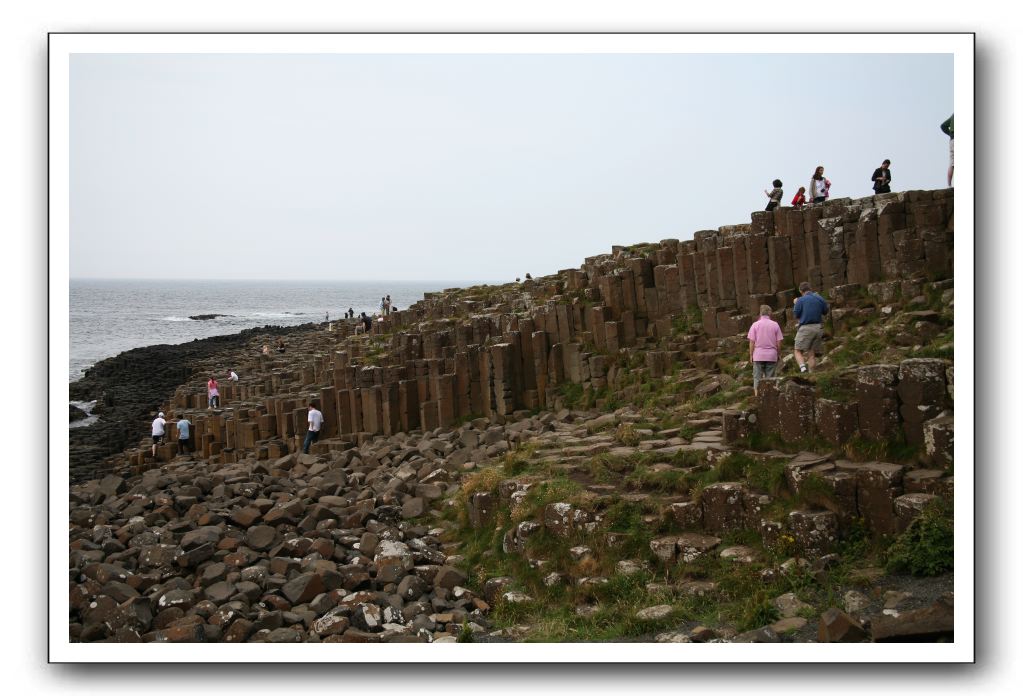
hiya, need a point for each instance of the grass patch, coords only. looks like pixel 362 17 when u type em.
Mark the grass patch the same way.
pixel 519 461
pixel 625 434
pixel 835 387
pixel 768 476
pixel 661 481
pixel 896 449
pixel 571 393
pixel 926 548
pixel 945 351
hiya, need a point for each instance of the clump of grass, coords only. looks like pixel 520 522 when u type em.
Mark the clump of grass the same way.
pixel 926 548
pixel 756 611
pixel 571 393
pixel 556 490
pixel 625 434
pixel 480 481
pixel 519 461
pixel 687 458
pixel 768 476
pixel 896 449
pixel 663 481
pixel 835 387
pixel 814 491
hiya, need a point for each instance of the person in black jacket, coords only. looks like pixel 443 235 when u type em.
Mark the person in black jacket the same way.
pixel 948 128
pixel 883 178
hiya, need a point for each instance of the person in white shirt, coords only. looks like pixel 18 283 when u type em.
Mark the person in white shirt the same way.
pixel 232 376
pixel 315 423
pixel 159 424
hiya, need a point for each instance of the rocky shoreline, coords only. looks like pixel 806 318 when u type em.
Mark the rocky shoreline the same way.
pixel 129 387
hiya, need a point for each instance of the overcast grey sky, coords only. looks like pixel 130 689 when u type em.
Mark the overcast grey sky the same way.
pixel 474 167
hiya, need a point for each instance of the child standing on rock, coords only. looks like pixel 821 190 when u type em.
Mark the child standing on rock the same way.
pixel 799 200
pixel 774 195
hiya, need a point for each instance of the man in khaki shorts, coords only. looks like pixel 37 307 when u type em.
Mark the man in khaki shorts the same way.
pixel 809 311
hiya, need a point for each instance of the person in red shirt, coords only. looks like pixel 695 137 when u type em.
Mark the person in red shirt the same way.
pixel 799 200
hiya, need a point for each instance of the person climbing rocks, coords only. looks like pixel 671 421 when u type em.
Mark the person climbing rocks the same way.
pixel 882 178
pixel 315 423
pixel 232 376
pixel 809 309
pixel 774 195
pixel 159 426
pixel 213 392
pixel 948 128
pixel 799 200
pixel 184 435
pixel 765 339
pixel 280 345
pixel 367 322
pixel 820 187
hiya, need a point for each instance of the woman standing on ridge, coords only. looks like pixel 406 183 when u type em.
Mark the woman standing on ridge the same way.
pixel 213 393
pixel 820 187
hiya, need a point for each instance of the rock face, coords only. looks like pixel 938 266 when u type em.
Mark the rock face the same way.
pixel 248 539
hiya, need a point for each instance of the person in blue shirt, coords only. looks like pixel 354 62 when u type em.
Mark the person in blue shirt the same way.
pixel 184 436
pixel 809 311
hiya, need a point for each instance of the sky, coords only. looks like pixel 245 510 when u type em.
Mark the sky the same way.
pixel 466 167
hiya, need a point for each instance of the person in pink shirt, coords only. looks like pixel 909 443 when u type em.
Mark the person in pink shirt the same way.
pixel 213 390
pixel 765 339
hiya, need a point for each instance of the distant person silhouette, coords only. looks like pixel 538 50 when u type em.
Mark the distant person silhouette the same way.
pixel 948 128
pixel 883 178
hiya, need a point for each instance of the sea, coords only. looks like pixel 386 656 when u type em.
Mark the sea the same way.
pixel 111 316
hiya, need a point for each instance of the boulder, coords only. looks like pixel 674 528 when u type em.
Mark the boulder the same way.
pixel 927 624
pixel 835 626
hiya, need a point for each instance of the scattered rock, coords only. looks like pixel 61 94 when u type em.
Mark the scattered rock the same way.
pixel 654 613
pixel 836 626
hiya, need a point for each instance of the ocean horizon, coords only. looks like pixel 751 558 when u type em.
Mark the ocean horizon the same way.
pixel 111 315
